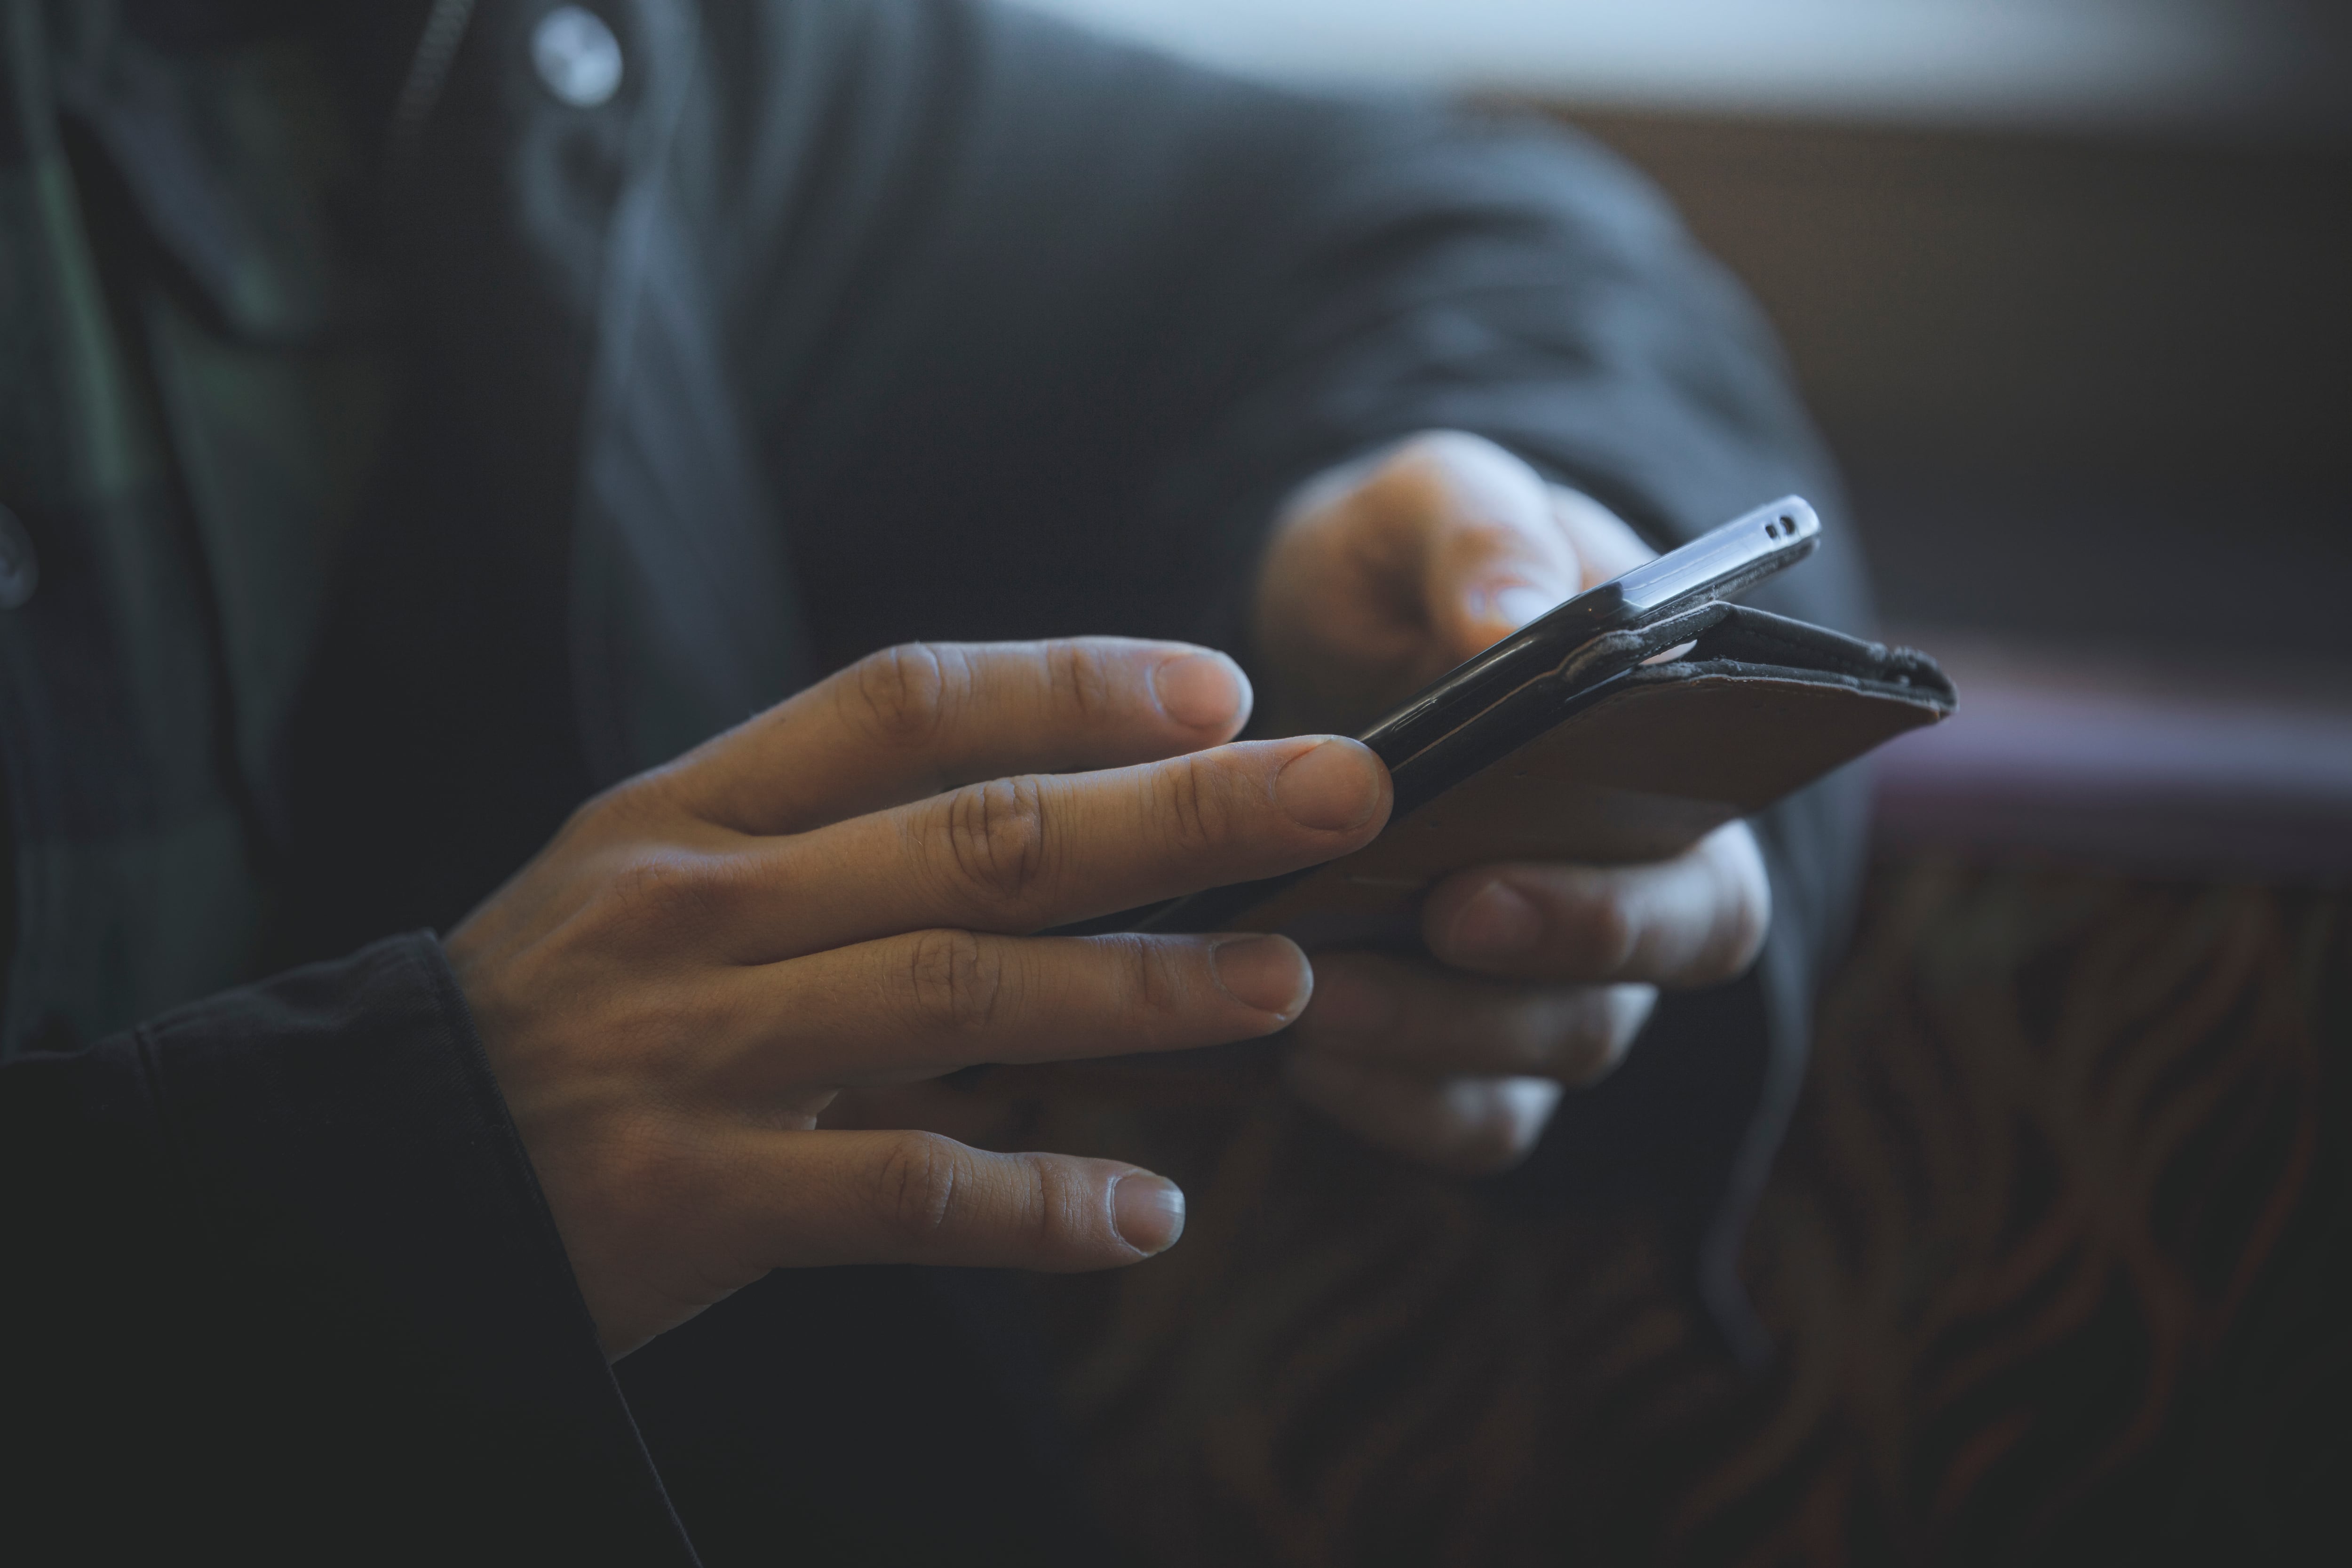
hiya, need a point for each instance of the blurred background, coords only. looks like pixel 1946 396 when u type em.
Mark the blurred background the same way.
pixel 2068 284
pixel 2059 1250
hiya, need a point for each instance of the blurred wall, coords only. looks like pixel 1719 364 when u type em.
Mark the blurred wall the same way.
pixel 2090 388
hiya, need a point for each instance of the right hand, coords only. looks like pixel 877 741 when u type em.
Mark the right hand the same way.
pixel 825 898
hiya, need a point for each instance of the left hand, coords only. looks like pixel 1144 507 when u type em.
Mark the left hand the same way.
pixel 1377 581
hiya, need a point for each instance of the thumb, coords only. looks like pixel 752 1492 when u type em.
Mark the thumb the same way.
pixel 1495 556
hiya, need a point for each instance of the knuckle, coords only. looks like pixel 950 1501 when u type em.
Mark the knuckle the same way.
pixel 1192 804
pixel 635 810
pixel 1156 986
pixel 956 979
pixel 1081 679
pixel 996 838
pixel 667 888
pixel 917 1188
pixel 620 801
pixel 1060 1202
pixel 902 694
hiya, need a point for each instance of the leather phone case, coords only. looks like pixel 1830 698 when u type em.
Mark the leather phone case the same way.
pixel 1624 759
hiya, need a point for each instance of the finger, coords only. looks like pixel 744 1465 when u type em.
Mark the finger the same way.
pixel 926 1004
pixel 910 721
pixel 827 1197
pixel 1377 1010
pixel 1696 920
pixel 1471 1126
pixel 1019 855
pixel 1492 556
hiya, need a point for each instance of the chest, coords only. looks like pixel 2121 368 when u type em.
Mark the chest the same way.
pixel 180 466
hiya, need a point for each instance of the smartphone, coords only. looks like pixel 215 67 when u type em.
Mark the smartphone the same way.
pixel 1556 668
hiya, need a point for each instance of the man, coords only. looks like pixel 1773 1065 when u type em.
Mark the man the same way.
pixel 424 419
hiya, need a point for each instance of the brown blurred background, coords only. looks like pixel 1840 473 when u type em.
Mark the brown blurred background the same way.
pixel 2059 1253
pixel 2091 386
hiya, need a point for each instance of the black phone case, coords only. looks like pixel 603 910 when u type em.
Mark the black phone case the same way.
pixel 1607 759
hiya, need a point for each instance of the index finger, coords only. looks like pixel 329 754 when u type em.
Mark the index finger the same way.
pixel 912 720
pixel 1019 855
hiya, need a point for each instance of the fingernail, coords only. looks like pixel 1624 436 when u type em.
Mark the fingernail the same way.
pixel 1200 690
pixel 1264 971
pixel 1516 604
pixel 1497 923
pixel 1331 786
pixel 1148 1211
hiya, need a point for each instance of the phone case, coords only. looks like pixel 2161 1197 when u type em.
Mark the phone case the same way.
pixel 1608 759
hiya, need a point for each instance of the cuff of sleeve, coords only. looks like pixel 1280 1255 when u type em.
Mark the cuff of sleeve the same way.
pixel 419 1372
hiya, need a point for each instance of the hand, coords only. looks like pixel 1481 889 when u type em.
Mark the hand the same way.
pixel 1377 580
pixel 675 988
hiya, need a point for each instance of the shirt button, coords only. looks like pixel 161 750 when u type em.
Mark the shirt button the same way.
pixel 579 60
pixel 20 568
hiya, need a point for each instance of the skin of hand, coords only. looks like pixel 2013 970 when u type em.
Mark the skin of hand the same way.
pixel 1379 578
pixel 845 891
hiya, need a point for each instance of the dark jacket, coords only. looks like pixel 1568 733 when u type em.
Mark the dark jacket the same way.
pixel 393 452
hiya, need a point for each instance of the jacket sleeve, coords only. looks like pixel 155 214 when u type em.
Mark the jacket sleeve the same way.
pixel 279 1256
pixel 1042 330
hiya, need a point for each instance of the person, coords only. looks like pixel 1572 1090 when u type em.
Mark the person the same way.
pixel 460 462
